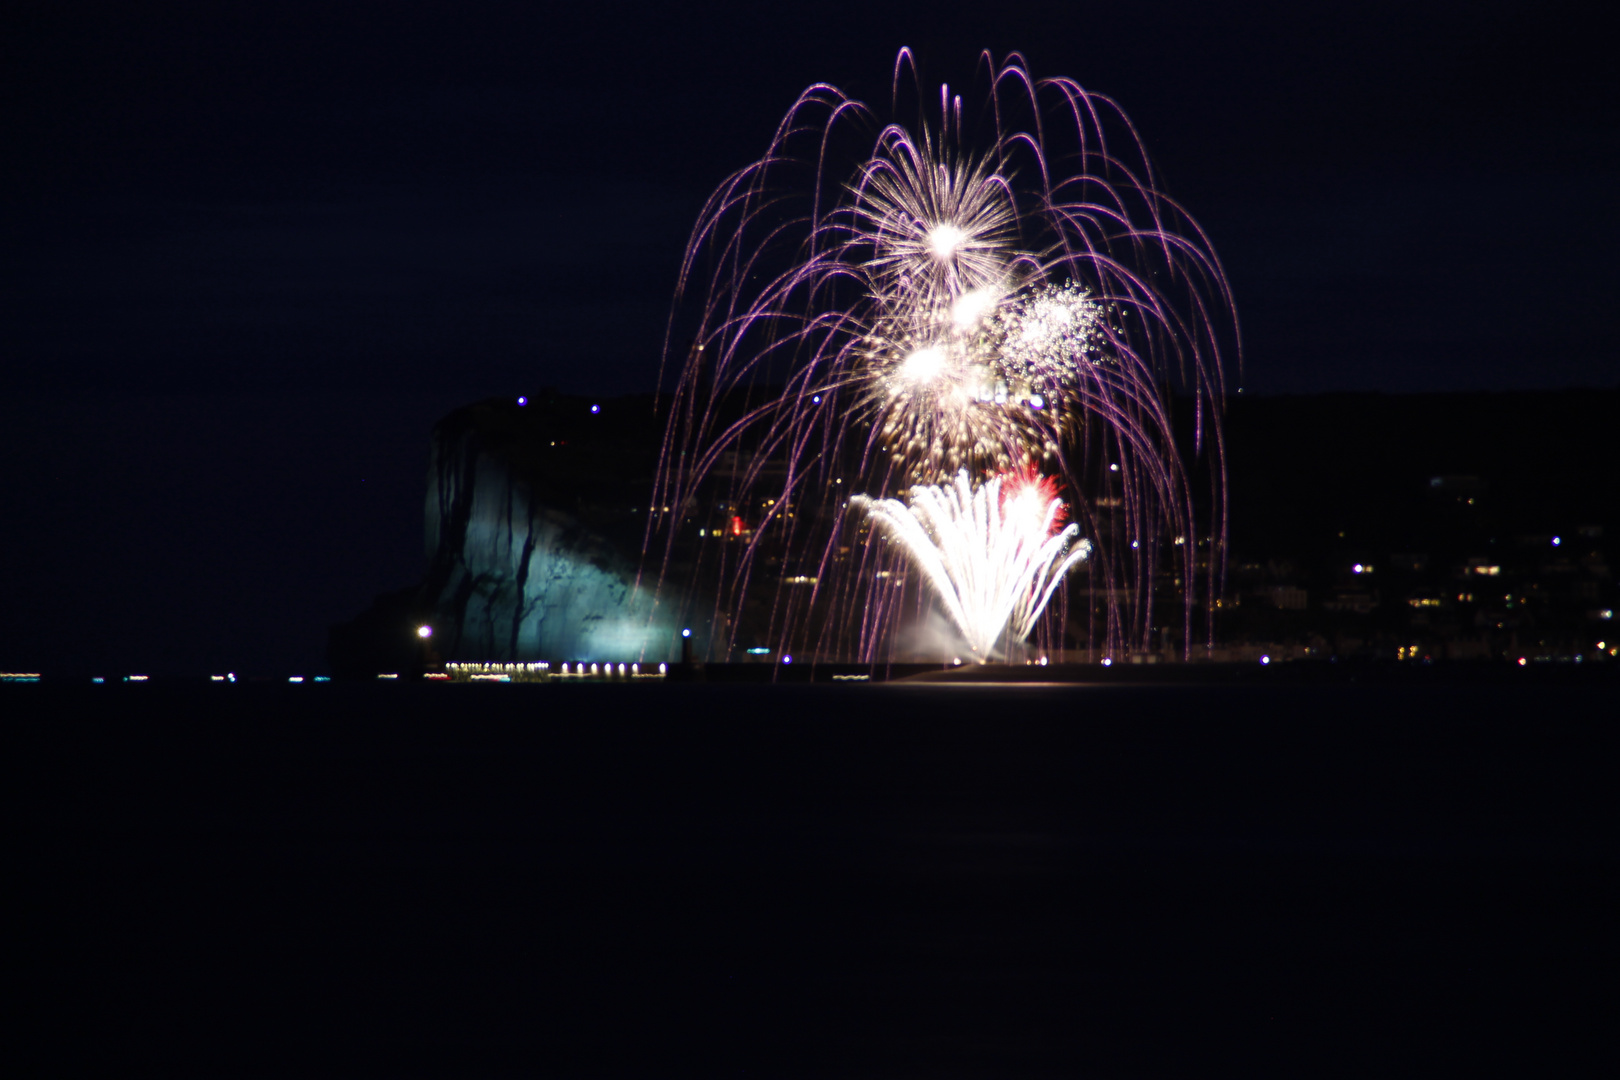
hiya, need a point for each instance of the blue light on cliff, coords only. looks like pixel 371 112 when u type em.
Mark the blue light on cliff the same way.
pixel 516 580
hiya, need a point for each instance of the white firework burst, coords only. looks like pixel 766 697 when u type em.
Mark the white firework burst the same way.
pixel 994 554
pixel 938 228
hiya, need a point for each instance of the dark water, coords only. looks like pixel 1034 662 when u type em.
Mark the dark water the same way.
pixel 873 881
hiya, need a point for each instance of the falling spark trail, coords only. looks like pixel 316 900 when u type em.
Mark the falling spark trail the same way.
pixel 883 302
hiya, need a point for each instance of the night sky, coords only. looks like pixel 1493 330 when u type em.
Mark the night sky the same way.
pixel 251 252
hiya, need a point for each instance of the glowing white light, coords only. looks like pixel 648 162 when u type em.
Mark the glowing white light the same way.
pixel 924 365
pixel 786 659
pixel 1265 660
pixel 943 240
pixel 972 306
pixel 686 633
pixel 993 561
pixel 1108 661
pixel 295 678
pixel 424 632
pixel 523 401
pixel 1356 569
pixel 1557 540
pixel 596 408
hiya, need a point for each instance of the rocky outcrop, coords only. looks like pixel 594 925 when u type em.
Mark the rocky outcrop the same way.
pixel 514 576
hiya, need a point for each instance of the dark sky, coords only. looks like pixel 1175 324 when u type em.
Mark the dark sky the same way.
pixel 249 252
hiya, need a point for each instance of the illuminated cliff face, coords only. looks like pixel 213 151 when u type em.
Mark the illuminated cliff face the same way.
pixel 514 579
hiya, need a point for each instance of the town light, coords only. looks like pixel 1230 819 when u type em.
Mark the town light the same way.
pixel 424 631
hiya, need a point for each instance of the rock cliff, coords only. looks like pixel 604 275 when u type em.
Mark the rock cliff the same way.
pixel 531 512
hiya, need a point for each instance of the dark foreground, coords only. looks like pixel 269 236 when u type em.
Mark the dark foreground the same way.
pixel 815 881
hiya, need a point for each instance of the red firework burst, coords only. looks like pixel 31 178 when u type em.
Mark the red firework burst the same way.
pixel 1028 483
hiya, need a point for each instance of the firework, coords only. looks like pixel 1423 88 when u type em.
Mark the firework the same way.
pixel 993 554
pixel 937 228
pixel 884 304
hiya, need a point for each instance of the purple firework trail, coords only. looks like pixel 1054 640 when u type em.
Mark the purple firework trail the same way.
pixel 874 305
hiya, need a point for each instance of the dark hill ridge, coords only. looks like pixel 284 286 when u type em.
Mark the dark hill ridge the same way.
pixel 1302 468
pixel 536 513
pixel 1424 526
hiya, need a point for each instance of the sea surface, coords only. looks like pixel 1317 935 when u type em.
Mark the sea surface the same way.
pixel 815 881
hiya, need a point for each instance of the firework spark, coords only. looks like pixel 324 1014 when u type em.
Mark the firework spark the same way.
pixel 993 554
pixel 936 227
pixel 890 302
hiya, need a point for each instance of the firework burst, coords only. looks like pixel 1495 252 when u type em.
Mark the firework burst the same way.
pixel 993 554
pixel 938 228
pixel 890 303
